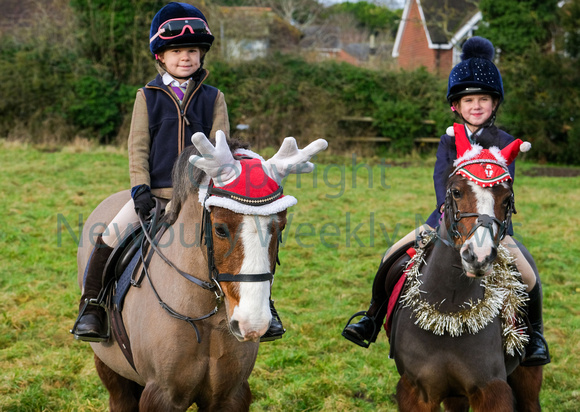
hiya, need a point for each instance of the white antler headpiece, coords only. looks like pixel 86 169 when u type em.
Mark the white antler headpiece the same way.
pixel 249 185
pixel 217 162
pixel 290 159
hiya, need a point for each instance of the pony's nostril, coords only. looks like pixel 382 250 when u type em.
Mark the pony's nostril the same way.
pixel 492 255
pixel 468 255
pixel 235 327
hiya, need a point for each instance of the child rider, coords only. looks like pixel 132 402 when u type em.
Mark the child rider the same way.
pixel 167 112
pixel 475 91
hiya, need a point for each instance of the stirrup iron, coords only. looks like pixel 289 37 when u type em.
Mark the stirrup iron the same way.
pixel 100 338
pixel 354 339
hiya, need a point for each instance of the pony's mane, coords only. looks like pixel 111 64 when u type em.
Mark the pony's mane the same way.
pixel 187 178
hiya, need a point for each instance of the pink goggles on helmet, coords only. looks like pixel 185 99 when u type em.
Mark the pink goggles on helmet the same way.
pixel 176 27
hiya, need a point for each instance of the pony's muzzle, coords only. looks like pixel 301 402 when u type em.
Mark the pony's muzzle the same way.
pixel 474 264
pixel 246 336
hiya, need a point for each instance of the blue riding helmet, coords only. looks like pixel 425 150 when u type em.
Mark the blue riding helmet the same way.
pixel 179 24
pixel 476 73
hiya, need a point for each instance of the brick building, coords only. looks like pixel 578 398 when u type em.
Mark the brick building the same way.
pixel 431 33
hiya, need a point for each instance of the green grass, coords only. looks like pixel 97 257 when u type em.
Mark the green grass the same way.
pixel 334 240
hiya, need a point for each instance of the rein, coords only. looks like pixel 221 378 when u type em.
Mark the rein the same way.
pixel 204 285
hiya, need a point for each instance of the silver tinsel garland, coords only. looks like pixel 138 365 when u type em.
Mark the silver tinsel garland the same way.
pixel 504 295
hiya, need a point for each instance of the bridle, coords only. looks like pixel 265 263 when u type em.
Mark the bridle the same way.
pixel 214 273
pixel 215 277
pixel 483 220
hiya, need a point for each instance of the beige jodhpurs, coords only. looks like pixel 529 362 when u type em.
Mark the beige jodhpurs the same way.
pixel 124 223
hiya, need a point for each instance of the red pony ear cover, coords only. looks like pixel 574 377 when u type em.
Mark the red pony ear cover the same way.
pixel 511 151
pixel 485 167
pixel 461 141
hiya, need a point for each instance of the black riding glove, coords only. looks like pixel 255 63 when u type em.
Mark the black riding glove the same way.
pixel 143 199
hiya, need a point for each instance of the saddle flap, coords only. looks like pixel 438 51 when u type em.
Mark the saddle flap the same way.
pixel 122 254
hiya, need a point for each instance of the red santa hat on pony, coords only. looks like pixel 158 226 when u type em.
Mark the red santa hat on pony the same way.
pixel 485 167
pixel 244 182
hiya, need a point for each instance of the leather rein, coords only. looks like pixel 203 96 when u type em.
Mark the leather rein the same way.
pixel 215 277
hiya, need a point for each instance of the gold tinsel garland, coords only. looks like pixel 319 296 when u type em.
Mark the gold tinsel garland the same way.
pixel 504 295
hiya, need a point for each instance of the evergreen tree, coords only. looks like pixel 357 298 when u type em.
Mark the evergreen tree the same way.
pixel 114 35
pixel 569 34
pixel 516 26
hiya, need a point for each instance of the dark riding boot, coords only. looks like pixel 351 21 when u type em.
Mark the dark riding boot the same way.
pixel 537 353
pixel 92 323
pixel 366 330
pixel 276 330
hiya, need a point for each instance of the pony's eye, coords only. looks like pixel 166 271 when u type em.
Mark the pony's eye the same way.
pixel 508 202
pixel 456 193
pixel 221 231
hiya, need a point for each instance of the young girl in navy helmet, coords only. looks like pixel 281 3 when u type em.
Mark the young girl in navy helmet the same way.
pixel 475 91
pixel 167 112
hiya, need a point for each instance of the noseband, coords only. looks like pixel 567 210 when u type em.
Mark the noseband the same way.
pixel 483 220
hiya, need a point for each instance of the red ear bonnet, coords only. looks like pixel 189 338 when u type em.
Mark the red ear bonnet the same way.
pixel 485 167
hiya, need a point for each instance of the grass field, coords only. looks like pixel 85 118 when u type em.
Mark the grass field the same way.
pixel 348 212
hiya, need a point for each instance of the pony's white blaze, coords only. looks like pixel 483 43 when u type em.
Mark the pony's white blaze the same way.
pixel 481 242
pixel 253 312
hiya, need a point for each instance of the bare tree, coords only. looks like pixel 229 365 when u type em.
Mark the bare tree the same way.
pixel 299 13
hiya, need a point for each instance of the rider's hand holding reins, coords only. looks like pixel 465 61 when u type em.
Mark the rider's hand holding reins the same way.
pixel 143 199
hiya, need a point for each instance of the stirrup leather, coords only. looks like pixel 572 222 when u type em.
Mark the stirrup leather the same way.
pixel 354 339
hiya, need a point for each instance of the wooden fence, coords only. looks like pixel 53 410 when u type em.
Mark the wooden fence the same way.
pixel 378 139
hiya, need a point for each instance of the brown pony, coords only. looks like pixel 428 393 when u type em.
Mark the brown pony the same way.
pixel 175 364
pixel 449 333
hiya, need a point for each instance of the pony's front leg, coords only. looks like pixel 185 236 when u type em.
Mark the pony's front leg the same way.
pixel 237 401
pixel 496 396
pixel 409 399
pixel 526 383
pixel 123 393
pixel 154 399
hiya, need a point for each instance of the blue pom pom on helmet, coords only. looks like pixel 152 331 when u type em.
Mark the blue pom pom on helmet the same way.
pixel 476 73
pixel 179 24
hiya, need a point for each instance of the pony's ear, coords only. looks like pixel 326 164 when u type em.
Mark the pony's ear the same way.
pixel 461 140
pixel 290 159
pixel 217 162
